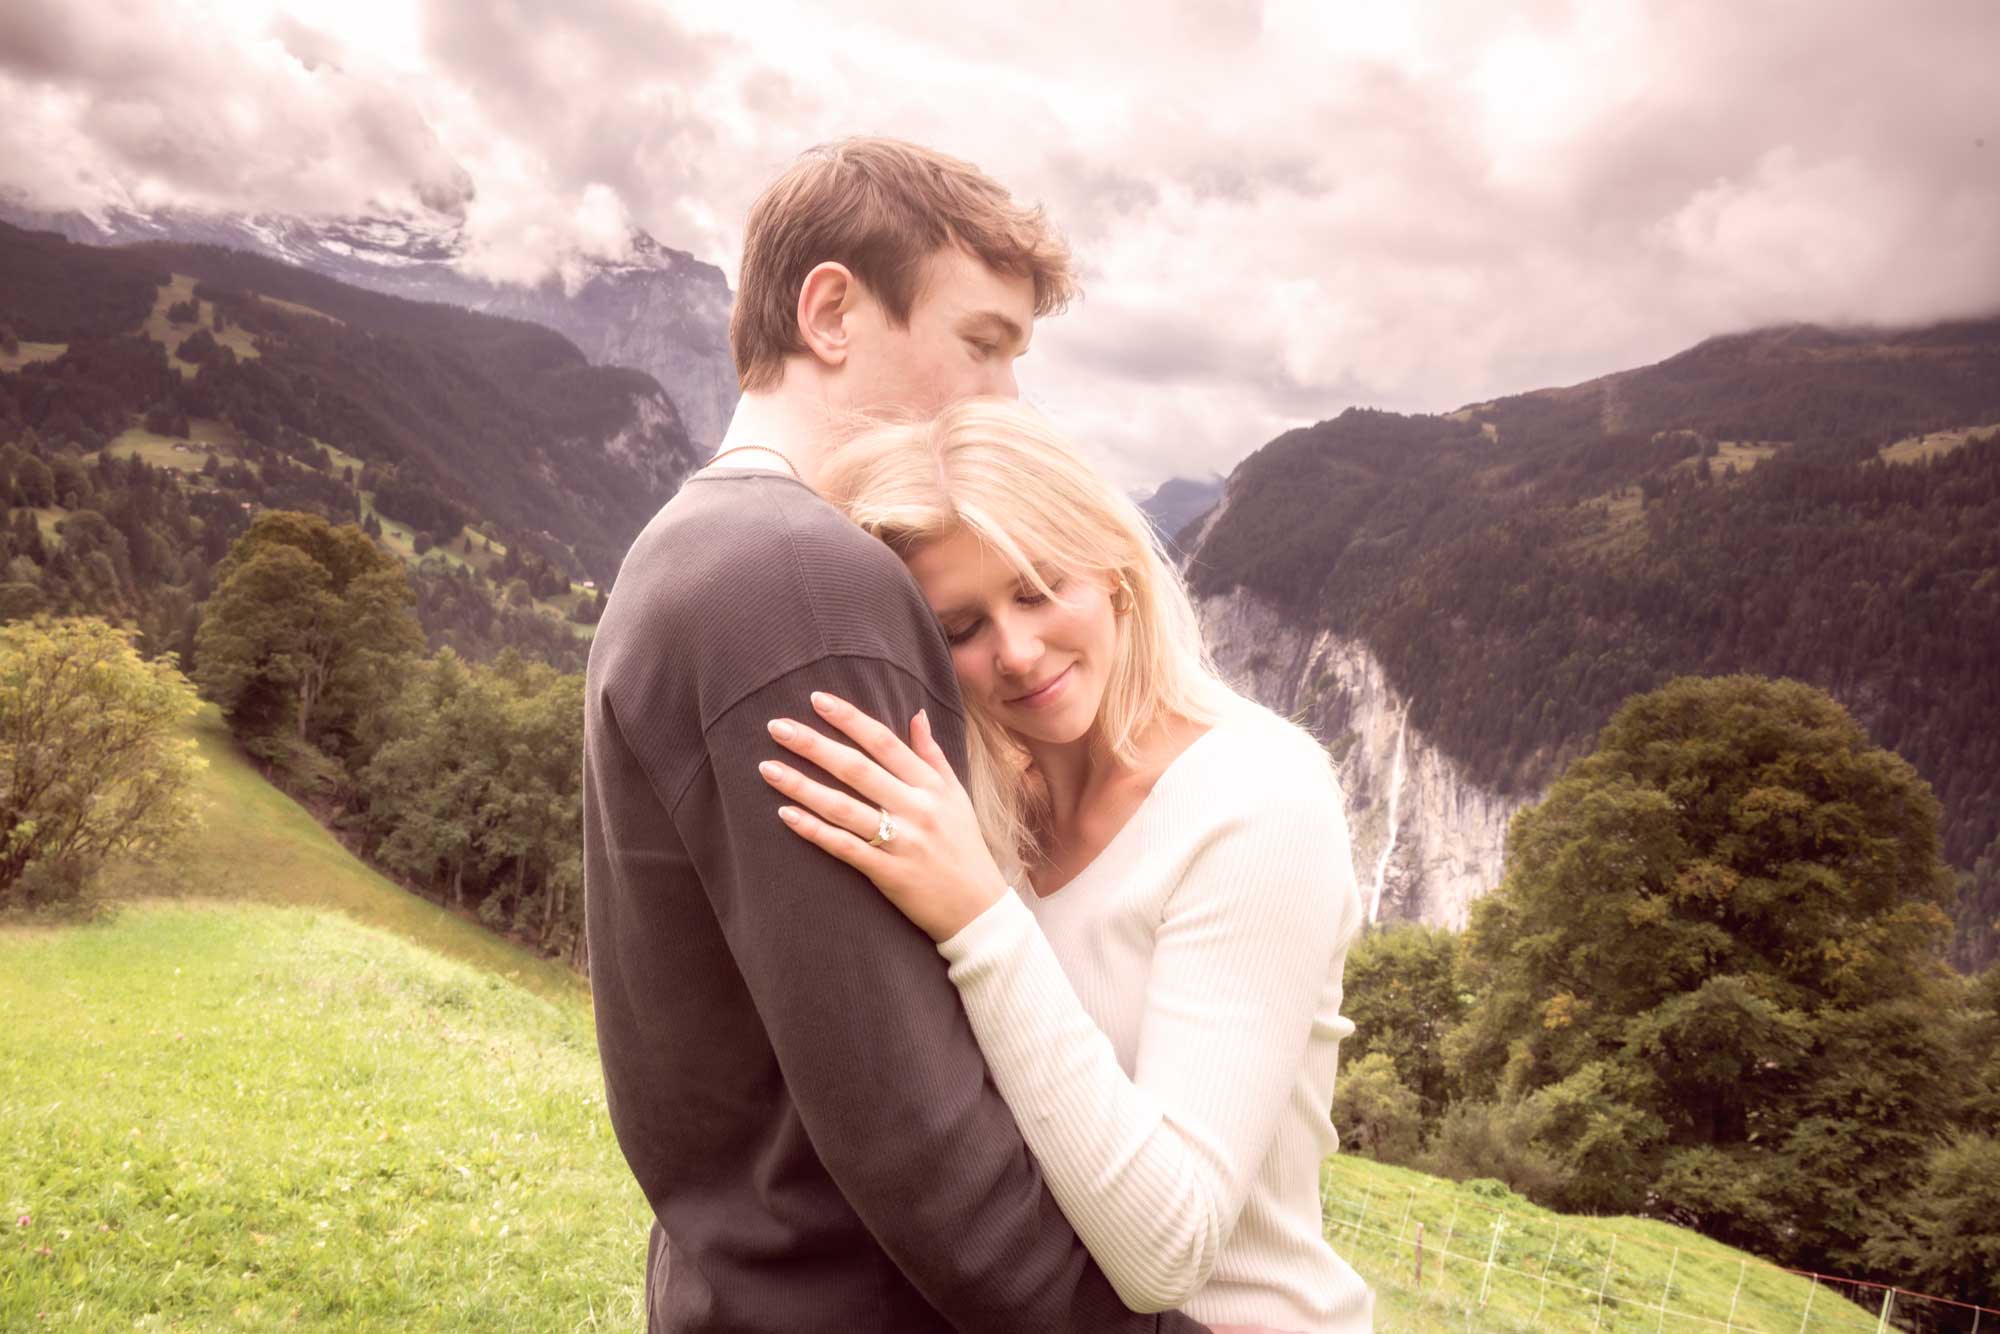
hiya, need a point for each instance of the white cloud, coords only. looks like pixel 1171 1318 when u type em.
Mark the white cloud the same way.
pixel 1281 209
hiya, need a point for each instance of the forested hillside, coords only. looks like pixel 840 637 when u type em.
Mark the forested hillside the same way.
pixel 154 399
pixel 1807 503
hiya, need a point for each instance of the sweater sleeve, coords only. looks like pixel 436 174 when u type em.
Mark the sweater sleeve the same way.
pixel 1153 1169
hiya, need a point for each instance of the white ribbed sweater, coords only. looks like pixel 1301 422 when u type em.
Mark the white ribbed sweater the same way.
pixel 1167 1037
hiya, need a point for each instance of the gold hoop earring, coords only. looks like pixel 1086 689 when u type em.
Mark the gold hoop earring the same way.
pixel 1121 599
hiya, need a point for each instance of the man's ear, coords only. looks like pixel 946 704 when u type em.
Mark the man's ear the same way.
pixel 826 298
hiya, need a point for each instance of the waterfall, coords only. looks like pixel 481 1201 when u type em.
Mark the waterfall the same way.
pixel 1395 800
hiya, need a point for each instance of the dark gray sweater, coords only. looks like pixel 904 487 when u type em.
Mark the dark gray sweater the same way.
pixel 788 1069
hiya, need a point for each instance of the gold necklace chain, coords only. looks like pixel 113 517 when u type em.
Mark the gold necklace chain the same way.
pixel 763 449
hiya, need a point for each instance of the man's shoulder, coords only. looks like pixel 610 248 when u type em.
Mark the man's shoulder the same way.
pixel 746 578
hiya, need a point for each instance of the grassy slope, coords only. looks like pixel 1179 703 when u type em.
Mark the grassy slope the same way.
pixel 330 1104
pixel 204 436
pixel 260 845
pixel 242 1116
pixel 1372 1212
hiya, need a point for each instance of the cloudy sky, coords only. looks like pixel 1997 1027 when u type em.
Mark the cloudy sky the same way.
pixel 1281 209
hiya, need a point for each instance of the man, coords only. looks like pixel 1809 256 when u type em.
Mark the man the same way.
pixel 787 1066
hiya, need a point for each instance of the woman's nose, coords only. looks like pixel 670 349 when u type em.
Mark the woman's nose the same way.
pixel 1019 649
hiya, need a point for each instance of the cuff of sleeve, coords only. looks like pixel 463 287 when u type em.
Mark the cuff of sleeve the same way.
pixel 988 937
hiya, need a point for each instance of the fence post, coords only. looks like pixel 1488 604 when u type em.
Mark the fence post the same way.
pixel 1667 1294
pixel 1445 1249
pixel 1604 1282
pixel 1551 1259
pixel 1888 1299
pixel 1420 1253
pixel 1810 1294
pixel 1401 1222
pixel 1499 1225
pixel 1730 1324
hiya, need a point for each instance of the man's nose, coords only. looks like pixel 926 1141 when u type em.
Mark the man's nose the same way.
pixel 1004 384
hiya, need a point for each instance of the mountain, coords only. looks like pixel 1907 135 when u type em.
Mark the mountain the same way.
pixel 1458 602
pixel 153 397
pixel 658 310
pixel 1179 501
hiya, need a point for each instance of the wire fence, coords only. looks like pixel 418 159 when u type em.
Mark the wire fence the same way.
pixel 1506 1270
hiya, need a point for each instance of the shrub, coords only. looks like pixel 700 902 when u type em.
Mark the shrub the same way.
pixel 91 746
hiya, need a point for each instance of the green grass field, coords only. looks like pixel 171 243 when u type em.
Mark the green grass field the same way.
pixel 244 1116
pixel 1601 1273
pixel 160 329
pixel 259 845
pixel 25 353
pixel 266 1087
pixel 1917 448
pixel 157 450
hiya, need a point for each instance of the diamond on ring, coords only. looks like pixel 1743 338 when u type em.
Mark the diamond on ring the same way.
pixel 885 831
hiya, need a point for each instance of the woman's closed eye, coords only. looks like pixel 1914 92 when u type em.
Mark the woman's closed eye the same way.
pixel 1028 596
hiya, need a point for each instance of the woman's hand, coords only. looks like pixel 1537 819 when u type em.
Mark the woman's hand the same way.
pixel 936 868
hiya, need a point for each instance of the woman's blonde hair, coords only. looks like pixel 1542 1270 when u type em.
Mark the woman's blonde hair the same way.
pixel 998 470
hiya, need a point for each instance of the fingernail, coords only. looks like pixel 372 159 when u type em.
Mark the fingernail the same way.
pixel 780 729
pixel 924 717
pixel 822 701
pixel 770 769
pixel 788 815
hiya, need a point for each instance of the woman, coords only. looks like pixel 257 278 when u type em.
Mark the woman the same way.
pixel 1146 898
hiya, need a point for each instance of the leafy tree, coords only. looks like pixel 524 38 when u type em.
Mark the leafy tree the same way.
pixel 36 483
pixel 1495 1141
pixel 1375 1111
pixel 91 753
pixel 20 599
pixel 306 626
pixel 199 347
pixel 1976 945
pixel 434 781
pixel 1713 970
pixel 1402 991
pixel 1952 1242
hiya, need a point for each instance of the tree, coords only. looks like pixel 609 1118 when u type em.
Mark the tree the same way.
pixel 433 785
pixel 199 347
pixel 92 754
pixel 1714 970
pixel 36 483
pixel 1375 1112
pixel 1402 991
pixel 1977 943
pixel 306 628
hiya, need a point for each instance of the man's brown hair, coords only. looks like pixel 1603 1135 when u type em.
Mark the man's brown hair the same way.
pixel 881 207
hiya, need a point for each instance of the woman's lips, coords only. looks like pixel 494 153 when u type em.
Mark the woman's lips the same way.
pixel 1045 695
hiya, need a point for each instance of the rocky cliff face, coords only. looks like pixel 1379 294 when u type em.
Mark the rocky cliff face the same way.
pixel 1427 841
pixel 658 310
